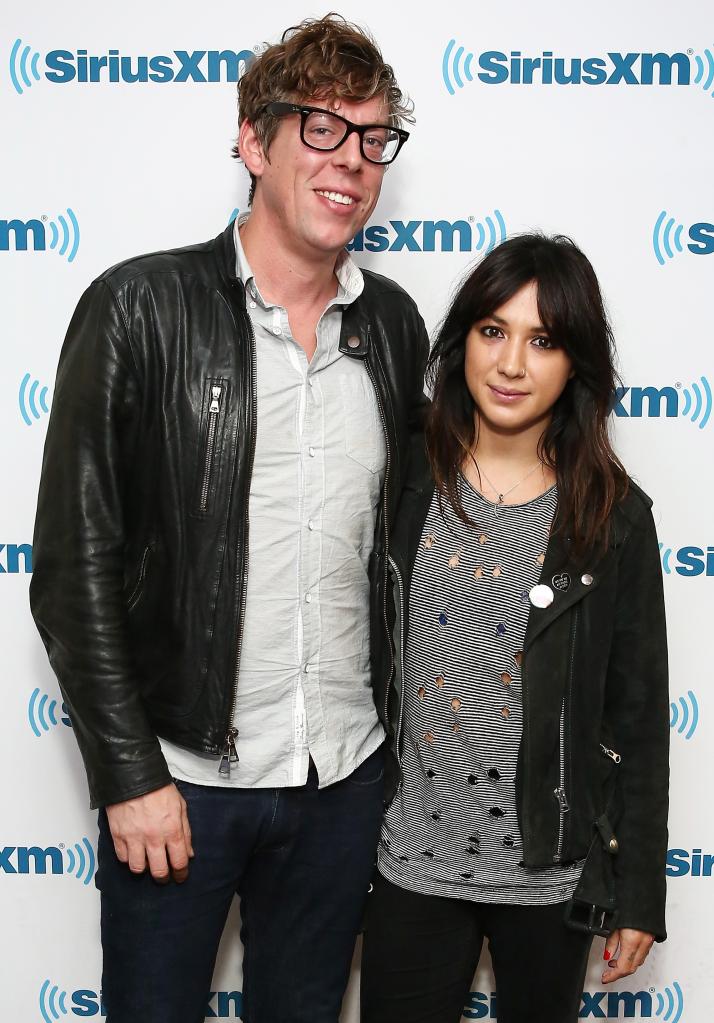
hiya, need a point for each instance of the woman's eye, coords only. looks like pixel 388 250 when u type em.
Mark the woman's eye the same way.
pixel 543 342
pixel 491 332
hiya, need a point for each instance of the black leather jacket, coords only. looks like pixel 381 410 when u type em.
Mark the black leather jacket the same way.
pixel 142 524
pixel 593 768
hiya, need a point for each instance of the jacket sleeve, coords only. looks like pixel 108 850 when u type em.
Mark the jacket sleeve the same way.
pixel 77 591
pixel 637 708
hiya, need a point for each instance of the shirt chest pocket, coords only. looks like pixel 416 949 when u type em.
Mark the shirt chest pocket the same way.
pixel 364 433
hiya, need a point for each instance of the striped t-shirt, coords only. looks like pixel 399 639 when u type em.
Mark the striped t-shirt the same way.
pixel 452 829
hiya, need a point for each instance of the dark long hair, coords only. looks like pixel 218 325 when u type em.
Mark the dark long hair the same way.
pixel 576 444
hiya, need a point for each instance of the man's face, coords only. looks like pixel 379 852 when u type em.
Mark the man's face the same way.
pixel 296 182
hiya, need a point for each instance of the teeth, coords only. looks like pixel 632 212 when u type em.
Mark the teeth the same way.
pixel 346 200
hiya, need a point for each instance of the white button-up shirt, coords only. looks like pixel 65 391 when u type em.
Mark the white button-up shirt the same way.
pixel 304 685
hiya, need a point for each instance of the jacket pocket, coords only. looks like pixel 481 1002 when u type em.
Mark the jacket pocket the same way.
pixel 213 417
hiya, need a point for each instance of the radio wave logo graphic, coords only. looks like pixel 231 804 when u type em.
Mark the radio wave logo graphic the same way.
pixel 69 236
pixel 494 232
pixel 53 1002
pixel 670 1004
pixel 705 71
pixel 42 712
pixel 696 400
pixel 23 64
pixel 662 237
pixel 684 715
pixel 665 554
pixel 30 395
pixel 454 64
pixel 81 861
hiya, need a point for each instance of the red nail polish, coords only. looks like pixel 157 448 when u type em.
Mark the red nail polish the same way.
pixel 607 954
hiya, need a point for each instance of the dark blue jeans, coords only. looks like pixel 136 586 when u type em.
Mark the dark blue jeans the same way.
pixel 299 858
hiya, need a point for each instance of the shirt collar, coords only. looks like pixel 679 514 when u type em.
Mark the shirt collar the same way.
pixel 349 276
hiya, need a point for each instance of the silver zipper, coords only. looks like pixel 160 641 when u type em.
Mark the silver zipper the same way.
pixel 136 592
pixel 386 525
pixel 232 733
pixel 611 754
pixel 400 587
pixel 559 792
pixel 213 414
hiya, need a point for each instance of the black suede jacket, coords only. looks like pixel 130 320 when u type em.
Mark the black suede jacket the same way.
pixel 140 544
pixel 593 768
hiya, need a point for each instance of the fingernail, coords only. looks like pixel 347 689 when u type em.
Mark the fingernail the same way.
pixel 607 954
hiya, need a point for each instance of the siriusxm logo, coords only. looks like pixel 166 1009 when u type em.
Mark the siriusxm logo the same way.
pixel 42 713
pixel 19 235
pixel 684 715
pixel 62 66
pixel 667 238
pixel 55 1001
pixel 667 1004
pixel 493 67
pixel 689 561
pixel 31 395
pixel 15 558
pixel 693 403
pixel 689 862
pixel 468 235
pixel 78 860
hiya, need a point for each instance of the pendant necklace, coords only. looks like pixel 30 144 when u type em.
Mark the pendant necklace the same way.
pixel 505 493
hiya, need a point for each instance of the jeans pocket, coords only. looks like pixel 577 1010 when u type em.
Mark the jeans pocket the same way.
pixel 370 771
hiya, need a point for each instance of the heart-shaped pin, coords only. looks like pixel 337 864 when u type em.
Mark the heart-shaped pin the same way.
pixel 561 581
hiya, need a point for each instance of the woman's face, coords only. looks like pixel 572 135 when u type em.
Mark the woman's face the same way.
pixel 514 372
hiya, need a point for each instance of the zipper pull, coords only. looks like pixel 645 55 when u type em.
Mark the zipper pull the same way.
pixel 229 754
pixel 562 799
pixel 611 754
pixel 215 404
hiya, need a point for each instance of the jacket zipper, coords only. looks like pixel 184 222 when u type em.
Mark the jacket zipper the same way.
pixel 136 592
pixel 229 753
pixel 559 792
pixel 400 587
pixel 386 530
pixel 611 754
pixel 213 414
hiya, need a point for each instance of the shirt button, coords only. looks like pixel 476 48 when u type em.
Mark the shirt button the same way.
pixel 310 524
pixel 276 330
pixel 253 305
pixel 308 598
pixel 308 669
pixel 311 452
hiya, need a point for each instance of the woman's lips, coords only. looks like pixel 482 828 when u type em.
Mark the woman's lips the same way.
pixel 505 394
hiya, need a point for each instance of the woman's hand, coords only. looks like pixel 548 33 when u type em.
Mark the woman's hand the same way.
pixel 625 950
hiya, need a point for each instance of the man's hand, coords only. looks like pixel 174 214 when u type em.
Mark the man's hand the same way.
pixel 153 829
pixel 625 950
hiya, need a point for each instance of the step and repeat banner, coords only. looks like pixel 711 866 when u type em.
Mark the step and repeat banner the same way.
pixel 591 120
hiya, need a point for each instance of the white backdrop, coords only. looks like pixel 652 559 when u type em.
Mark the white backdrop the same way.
pixel 96 171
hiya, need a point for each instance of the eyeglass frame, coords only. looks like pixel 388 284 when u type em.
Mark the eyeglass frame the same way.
pixel 359 129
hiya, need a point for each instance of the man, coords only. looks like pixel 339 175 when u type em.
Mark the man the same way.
pixel 229 436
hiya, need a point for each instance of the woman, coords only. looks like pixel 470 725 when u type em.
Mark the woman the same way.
pixel 534 731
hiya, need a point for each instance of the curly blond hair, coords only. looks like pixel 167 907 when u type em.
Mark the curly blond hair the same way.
pixel 328 57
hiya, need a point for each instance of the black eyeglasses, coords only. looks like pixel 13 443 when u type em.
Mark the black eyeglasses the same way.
pixel 323 130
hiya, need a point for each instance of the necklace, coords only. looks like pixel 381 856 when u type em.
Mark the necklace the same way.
pixel 505 493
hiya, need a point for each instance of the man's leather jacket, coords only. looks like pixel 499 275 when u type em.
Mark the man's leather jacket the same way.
pixel 140 544
pixel 593 767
